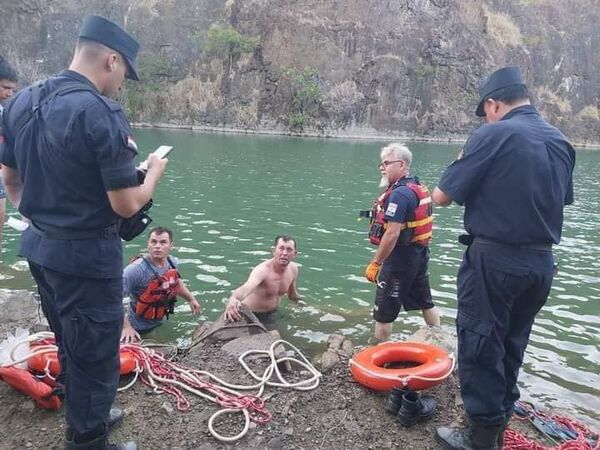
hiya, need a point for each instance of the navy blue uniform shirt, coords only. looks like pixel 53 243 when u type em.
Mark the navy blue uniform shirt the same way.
pixel 88 150
pixel 514 179
pixel 399 207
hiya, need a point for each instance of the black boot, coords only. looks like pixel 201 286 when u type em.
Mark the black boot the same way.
pixel 500 440
pixel 453 438
pixel 485 437
pixel 99 443
pixel 477 437
pixel 395 400
pixel 115 417
pixel 415 408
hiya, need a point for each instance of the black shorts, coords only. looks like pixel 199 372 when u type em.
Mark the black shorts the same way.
pixel 409 289
pixel 269 319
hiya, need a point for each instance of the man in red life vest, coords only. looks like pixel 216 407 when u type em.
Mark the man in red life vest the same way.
pixel 401 225
pixel 153 285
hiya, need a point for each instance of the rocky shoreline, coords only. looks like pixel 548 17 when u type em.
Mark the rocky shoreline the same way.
pixel 358 134
pixel 339 413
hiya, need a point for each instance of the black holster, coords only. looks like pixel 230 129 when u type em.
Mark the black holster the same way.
pixel 466 239
pixel 135 225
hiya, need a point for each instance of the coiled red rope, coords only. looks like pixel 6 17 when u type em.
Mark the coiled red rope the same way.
pixel 164 376
pixel 170 375
pixel 583 437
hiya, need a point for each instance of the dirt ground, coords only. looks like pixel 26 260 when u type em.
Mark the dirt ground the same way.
pixel 338 414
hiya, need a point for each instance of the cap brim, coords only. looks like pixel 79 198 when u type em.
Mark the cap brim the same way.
pixel 131 72
pixel 479 112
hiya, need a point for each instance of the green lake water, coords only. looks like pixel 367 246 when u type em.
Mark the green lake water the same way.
pixel 227 196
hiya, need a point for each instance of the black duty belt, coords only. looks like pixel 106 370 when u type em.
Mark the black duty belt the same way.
pixel 110 232
pixel 540 246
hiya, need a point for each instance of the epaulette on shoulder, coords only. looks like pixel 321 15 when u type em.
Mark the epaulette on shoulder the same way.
pixel 112 105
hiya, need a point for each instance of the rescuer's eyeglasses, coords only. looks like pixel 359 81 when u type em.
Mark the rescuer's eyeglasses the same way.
pixel 387 163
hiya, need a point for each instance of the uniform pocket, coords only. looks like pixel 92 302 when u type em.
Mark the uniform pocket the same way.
pixel 96 341
pixel 472 335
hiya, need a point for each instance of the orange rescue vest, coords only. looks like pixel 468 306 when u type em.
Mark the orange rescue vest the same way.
pixel 418 229
pixel 159 297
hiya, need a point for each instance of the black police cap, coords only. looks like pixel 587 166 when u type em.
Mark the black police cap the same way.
pixel 102 30
pixel 500 79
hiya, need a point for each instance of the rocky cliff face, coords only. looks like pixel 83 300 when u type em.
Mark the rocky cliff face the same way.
pixel 374 66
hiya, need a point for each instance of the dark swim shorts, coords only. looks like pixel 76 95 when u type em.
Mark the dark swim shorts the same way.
pixel 408 289
pixel 269 319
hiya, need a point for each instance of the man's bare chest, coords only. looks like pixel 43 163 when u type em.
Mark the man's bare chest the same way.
pixel 277 284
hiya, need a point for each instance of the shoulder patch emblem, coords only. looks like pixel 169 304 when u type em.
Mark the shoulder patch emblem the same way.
pixel 131 143
pixel 391 209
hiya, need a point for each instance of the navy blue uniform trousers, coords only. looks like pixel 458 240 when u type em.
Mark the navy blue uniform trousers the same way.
pixel 501 288
pixel 86 316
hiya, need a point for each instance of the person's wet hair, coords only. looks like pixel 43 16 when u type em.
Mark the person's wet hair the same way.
pixel 161 230
pixel 285 238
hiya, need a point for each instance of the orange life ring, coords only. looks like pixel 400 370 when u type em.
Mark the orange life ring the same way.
pixel 23 381
pixel 433 365
pixel 47 362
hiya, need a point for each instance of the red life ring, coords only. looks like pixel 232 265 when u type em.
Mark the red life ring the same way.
pixel 433 365
pixel 47 362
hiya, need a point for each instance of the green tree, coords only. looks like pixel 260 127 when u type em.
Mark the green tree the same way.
pixel 225 41
pixel 306 95
pixel 154 72
pixel 151 67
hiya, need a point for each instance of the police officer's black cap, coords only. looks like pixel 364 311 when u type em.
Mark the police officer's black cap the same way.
pixel 500 79
pixel 102 30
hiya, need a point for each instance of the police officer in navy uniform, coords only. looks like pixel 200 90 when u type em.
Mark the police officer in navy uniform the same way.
pixel 514 178
pixel 70 168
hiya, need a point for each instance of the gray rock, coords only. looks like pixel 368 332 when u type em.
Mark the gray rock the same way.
pixel 223 330
pixel 167 408
pixel 335 341
pixel 275 444
pixel 458 401
pixel 18 306
pixel 379 81
pixel 328 360
pixel 261 341
pixel 347 347
pixel 444 337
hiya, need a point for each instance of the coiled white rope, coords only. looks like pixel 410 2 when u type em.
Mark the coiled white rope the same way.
pixel 40 349
pixel 192 377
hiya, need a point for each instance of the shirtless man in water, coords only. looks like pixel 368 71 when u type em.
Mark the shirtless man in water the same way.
pixel 267 282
